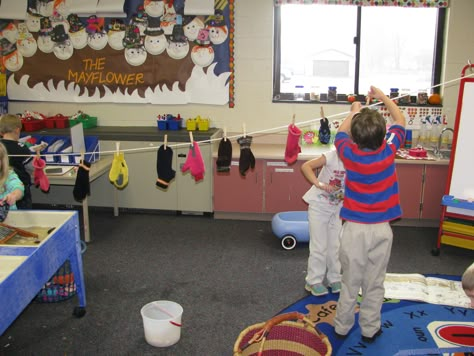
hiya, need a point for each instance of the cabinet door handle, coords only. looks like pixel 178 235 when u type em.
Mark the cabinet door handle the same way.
pixel 181 154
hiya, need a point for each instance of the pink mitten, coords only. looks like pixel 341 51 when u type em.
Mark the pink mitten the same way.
pixel 194 162
pixel 292 144
pixel 40 178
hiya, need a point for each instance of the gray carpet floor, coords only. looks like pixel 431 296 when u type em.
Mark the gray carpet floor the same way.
pixel 226 274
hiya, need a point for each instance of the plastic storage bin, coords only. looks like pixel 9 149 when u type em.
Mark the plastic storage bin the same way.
pixel 32 125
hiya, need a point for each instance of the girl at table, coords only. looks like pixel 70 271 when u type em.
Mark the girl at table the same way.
pixel 11 187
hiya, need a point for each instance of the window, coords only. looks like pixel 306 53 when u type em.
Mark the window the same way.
pixel 352 47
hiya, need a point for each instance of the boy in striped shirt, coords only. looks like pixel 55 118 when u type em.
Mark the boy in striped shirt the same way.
pixel 371 201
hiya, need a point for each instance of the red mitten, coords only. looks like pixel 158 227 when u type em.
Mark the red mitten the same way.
pixel 292 144
pixel 194 162
pixel 40 178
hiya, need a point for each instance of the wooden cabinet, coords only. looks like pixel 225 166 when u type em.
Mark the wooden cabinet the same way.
pixel 273 186
pixel 434 188
pixel 285 186
pixel 421 188
pixel 410 183
pixel 236 193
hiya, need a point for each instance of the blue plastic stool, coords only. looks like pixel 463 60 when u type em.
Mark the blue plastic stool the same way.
pixel 291 227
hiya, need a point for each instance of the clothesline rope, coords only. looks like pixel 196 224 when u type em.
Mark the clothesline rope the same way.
pixel 253 133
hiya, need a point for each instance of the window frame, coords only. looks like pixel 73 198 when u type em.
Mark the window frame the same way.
pixel 278 97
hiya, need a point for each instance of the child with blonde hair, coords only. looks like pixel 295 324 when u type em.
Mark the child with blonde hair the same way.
pixel 468 283
pixel 11 187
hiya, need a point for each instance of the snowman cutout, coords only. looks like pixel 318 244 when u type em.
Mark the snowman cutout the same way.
pixel 9 31
pixel 155 39
pixel 154 8
pixel 135 53
pixel 97 38
pixel 45 7
pixel 178 46
pixel 11 57
pixel 116 34
pixel 33 21
pixel 218 31
pixel 202 53
pixel 61 7
pixel 45 43
pixel 168 20
pixel 77 32
pixel 26 43
pixel 192 25
pixel 140 19
pixel 63 48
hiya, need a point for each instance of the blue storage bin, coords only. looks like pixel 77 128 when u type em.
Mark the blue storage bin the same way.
pixel 162 124
pixel 92 153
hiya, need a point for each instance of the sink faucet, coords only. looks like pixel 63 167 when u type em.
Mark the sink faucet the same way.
pixel 437 151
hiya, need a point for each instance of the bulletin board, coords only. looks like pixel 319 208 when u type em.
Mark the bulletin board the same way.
pixel 460 178
pixel 159 52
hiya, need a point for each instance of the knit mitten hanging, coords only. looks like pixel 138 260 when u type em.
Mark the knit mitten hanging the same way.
pixel 324 132
pixel 118 174
pixel 224 155
pixel 82 184
pixel 247 159
pixel 292 144
pixel 164 170
pixel 194 162
pixel 40 179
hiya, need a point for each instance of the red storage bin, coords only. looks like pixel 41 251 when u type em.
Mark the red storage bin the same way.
pixel 32 125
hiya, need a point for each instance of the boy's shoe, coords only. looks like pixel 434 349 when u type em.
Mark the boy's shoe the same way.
pixel 370 340
pixel 317 289
pixel 335 287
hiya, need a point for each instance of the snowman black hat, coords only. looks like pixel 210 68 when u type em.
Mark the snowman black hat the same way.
pixel 178 34
pixel 132 37
pixel 59 34
pixel 6 47
pixel 116 25
pixel 75 24
pixel 153 28
pixel 46 26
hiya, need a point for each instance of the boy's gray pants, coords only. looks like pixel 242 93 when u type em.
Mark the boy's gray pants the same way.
pixel 364 254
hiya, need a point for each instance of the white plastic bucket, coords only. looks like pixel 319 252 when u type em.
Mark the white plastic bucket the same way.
pixel 162 322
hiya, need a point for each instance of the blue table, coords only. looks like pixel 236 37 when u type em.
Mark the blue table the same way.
pixel 25 269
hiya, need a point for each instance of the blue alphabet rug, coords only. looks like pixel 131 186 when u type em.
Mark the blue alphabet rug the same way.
pixel 409 328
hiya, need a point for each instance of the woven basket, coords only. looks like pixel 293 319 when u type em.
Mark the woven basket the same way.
pixel 282 336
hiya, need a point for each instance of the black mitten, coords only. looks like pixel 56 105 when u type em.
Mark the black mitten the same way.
pixel 164 160
pixel 246 160
pixel 324 132
pixel 82 185
pixel 224 156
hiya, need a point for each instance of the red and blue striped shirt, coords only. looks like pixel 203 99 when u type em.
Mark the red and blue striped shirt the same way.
pixel 371 188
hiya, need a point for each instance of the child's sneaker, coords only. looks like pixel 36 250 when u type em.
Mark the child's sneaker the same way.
pixel 335 287
pixel 317 289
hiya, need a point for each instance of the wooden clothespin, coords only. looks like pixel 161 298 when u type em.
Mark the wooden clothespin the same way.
pixel 191 138
pixel 322 113
pixel 82 155
pixel 293 120
pixel 244 130
pixel 117 148
pixel 225 133
pixel 166 141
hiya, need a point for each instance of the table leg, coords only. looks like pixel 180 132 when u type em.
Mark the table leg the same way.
pixel 85 213
pixel 116 208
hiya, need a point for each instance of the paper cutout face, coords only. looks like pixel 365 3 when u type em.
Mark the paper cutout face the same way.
pixel 13 61
pixel 156 44
pixel 27 46
pixel 218 35
pixel 45 44
pixel 78 39
pixel 135 56
pixel 191 30
pixel 202 55
pixel 115 39
pixel 97 40
pixel 61 8
pixel 154 8
pixel 63 50
pixel 45 8
pixel 10 32
pixel 33 23
pixel 177 50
